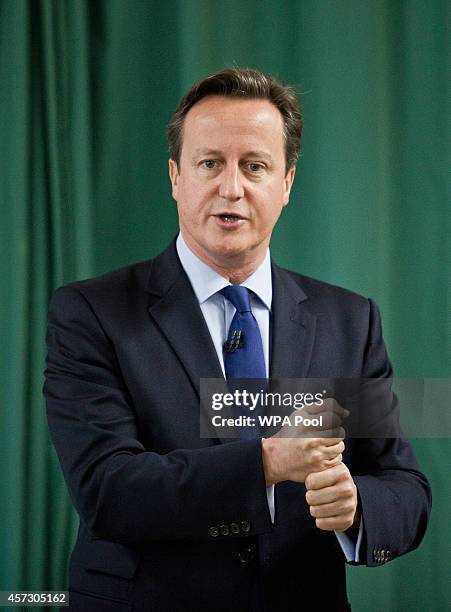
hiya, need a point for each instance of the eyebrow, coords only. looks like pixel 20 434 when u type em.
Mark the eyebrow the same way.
pixel 216 153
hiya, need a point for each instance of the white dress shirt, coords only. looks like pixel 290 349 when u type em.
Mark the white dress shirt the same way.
pixel 218 313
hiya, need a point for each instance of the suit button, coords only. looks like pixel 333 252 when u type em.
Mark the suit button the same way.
pixel 245 526
pixel 224 529
pixel 214 532
pixel 234 528
pixel 245 556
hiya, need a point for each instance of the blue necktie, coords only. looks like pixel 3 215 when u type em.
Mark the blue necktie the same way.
pixel 243 351
pixel 244 357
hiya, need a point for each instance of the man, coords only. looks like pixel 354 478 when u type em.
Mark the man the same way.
pixel 170 520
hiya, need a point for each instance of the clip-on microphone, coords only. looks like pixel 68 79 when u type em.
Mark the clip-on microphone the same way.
pixel 235 342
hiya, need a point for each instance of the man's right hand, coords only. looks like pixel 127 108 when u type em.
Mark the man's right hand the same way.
pixel 290 455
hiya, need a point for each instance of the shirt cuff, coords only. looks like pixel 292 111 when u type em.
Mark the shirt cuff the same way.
pixel 350 549
pixel 271 501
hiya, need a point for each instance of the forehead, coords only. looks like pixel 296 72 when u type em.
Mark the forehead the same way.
pixel 229 119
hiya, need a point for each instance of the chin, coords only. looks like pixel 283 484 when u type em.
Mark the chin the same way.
pixel 230 249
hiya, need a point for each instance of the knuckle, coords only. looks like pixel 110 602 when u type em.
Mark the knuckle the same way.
pixel 345 492
pixel 349 521
pixel 315 456
pixel 343 471
pixel 344 523
pixel 350 488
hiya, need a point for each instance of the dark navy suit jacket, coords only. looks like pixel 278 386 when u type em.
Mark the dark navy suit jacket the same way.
pixel 170 521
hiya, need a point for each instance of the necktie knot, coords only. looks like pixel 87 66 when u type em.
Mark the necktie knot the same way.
pixel 238 296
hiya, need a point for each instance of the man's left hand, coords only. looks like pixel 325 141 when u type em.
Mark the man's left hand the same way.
pixel 332 497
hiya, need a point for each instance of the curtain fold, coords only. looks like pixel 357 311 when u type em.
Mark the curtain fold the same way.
pixel 46 224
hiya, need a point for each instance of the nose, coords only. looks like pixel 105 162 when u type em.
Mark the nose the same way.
pixel 230 187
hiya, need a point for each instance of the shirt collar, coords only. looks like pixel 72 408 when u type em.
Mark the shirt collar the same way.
pixel 206 282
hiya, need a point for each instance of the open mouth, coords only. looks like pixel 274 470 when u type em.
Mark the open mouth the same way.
pixel 229 218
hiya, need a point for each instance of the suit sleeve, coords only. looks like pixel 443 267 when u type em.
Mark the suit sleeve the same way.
pixel 395 496
pixel 122 491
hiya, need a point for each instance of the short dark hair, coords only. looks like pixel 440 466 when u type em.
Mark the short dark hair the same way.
pixel 242 83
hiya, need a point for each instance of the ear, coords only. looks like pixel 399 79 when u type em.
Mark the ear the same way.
pixel 174 176
pixel 287 184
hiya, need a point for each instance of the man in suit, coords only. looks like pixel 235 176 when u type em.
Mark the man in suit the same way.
pixel 170 520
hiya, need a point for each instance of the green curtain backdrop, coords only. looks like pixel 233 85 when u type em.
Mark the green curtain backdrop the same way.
pixel 86 89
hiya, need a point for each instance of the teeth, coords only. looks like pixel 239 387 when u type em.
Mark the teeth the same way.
pixel 229 219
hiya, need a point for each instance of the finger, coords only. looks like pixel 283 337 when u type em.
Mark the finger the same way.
pixel 331 434
pixel 330 405
pixel 321 443
pixel 331 451
pixel 324 442
pixel 338 508
pixel 328 427
pixel 318 497
pixel 327 478
pixel 342 490
pixel 328 463
pixel 329 420
pixel 336 523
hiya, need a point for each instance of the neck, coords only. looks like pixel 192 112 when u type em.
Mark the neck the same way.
pixel 234 268
pixel 237 275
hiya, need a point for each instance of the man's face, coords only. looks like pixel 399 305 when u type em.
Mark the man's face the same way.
pixel 231 185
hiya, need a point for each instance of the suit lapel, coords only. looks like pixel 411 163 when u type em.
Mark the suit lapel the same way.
pixel 293 328
pixel 176 311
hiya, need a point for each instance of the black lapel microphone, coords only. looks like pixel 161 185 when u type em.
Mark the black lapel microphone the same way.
pixel 235 341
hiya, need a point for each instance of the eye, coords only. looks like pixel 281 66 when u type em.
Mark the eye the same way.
pixel 209 164
pixel 254 167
